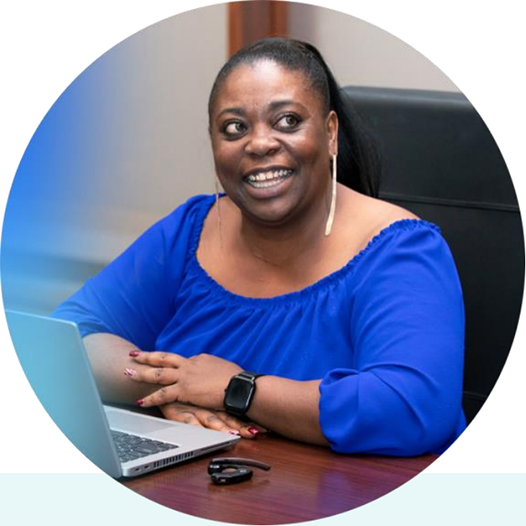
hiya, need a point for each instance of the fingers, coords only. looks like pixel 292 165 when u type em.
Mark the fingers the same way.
pixel 152 375
pixel 162 396
pixel 158 359
pixel 216 420
pixel 162 370
pixel 180 413
pixel 211 420
pixel 245 429
pixel 196 416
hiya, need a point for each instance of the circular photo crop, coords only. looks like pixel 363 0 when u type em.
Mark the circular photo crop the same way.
pixel 262 262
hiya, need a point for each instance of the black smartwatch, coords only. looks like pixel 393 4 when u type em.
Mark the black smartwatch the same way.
pixel 240 392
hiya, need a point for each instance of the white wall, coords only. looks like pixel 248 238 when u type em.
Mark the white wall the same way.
pixel 362 54
pixel 165 155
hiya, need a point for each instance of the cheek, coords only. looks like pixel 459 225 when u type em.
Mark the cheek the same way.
pixel 221 153
pixel 312 150
pixel 226 162
pixel 312 142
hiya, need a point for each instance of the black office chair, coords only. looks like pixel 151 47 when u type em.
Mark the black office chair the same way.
pixel 442 163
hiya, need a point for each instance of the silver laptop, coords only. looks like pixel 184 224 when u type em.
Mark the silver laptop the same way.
pixel 120 442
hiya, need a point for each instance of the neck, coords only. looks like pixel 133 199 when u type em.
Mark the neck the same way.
pixel 283 245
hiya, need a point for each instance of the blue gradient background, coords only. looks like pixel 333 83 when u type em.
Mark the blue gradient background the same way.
pixel 123 145
pixel 64 167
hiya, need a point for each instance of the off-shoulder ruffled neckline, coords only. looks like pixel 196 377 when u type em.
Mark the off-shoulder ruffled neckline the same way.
pixel 310 290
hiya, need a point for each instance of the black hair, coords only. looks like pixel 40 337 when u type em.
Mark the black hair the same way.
pixel 359 165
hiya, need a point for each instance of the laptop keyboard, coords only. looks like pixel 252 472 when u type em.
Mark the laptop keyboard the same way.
pixel 132 447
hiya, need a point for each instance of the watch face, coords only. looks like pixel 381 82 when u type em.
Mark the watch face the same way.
pixel 238 393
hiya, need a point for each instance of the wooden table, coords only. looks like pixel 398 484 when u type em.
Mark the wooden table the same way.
pixel 305 483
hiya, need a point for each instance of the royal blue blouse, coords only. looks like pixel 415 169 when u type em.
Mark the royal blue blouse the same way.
pixel 385 333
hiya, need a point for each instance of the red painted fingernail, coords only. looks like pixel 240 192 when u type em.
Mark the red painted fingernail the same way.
pixel 234 432
pixel 139 402
pixel 133 354
pixel 130 372
pixel 253 430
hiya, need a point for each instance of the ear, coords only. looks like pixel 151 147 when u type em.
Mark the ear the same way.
pixel 332 132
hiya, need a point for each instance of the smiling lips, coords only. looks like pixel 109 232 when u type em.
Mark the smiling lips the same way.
pixel 268 178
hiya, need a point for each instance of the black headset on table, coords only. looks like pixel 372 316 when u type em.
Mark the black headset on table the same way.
pixel 231 470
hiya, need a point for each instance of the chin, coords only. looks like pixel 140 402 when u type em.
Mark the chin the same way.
pixel 270 215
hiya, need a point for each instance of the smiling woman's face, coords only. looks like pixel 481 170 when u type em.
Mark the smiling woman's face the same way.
pixel 272 141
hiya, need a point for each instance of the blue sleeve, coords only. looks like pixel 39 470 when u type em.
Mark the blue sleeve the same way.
pixel 403 394
pixel 132 297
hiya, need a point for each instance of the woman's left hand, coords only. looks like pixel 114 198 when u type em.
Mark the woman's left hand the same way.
pixel 210 419
pixel 200 380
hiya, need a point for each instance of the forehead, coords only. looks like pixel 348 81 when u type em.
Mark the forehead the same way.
pixel 264 82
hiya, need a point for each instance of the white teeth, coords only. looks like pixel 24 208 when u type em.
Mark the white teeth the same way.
pixel 266 184
pixel 265 179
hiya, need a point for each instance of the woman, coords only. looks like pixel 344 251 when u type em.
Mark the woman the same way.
pixel 328 316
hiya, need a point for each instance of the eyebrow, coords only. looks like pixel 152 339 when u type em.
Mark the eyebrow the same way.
pixel 236 110
pixel 280 103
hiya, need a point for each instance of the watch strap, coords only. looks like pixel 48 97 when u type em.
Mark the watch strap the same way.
pixel 247 375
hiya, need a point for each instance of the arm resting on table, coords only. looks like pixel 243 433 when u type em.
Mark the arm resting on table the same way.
pixel 288 407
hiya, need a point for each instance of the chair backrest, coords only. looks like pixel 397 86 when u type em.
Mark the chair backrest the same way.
pixel 442 163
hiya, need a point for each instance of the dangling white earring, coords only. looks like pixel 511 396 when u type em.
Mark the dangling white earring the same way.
pixel 218 209
pixel 332 210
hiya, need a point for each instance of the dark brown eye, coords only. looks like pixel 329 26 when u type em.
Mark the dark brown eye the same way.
pixel 233 128
pixel 288 122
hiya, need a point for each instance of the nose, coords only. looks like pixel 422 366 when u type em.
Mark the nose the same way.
pixel 262 142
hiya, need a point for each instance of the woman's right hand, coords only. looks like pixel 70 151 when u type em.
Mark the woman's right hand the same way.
pixel 211 419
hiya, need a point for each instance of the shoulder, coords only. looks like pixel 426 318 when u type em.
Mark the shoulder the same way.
pixel 362 218
pixel 193 205
pixel 187 214
pixel 371 214
pixel 398 243
pixel 177 230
